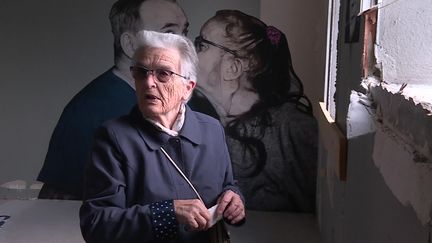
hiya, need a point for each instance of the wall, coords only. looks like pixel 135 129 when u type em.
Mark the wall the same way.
pixel 363 209
pixel 386 195
pixel 49 51
pixel 304 23
pixel 405 58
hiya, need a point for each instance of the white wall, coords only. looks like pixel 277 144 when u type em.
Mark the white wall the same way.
pixel 403 41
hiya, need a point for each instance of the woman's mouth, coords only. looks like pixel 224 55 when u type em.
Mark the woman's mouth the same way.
pixel 151 97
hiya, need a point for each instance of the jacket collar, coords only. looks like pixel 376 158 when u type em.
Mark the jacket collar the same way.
pixel 155 138
pixel 191 127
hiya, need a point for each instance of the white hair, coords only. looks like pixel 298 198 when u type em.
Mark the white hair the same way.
pixel 188 55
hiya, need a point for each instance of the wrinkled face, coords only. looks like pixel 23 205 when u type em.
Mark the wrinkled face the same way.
pixel 163 16
pixel 159 100
pixel 210 59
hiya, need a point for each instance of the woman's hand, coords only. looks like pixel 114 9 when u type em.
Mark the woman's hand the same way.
pixel 192 213
pixel 231 207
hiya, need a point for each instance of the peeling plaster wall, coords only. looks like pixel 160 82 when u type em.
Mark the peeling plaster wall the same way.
pixel 409 181
pixel 387 195
pixel 403 41
pixel 411 122
pixel 363 209
pixel 403 151
pixel 366 208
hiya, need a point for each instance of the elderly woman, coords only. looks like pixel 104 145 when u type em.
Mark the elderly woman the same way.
pixel 134 185
pixel 247 75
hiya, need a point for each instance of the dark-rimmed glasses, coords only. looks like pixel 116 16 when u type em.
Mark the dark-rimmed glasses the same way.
pixel 162 75
pixel 198 45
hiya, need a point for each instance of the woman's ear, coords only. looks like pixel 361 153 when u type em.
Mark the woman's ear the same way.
pixel 231 67
pixel 189 87
pixel 128 44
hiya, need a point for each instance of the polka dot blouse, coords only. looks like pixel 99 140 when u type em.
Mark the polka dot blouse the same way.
pixel 164 221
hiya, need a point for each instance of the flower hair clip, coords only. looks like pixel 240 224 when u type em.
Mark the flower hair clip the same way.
pixel 274 35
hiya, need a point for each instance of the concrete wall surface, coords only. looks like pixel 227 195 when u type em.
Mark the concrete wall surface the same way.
pixel 363 209
pixel 403 41
pixel 386 195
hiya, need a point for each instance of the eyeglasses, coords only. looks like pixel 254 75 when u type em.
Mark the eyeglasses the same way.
pixel 199 46
pixel 162 75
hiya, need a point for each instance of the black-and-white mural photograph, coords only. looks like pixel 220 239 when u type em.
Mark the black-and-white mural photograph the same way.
pixel 215 121
pixel 247 81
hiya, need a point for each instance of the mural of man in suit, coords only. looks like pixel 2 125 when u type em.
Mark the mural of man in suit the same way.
pixel 110 95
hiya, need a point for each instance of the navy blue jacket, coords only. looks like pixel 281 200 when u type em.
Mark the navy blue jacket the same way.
pixel 128 175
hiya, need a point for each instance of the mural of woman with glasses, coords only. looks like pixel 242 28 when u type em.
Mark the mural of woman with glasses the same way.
pixel 246 80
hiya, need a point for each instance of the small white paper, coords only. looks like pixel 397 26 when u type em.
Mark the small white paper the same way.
pixel 213 215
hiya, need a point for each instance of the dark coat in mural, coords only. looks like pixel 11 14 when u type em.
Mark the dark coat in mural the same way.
pixel 247 81
pixel 104 98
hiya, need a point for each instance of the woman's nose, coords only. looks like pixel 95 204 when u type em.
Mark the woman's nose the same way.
pixel 150 80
